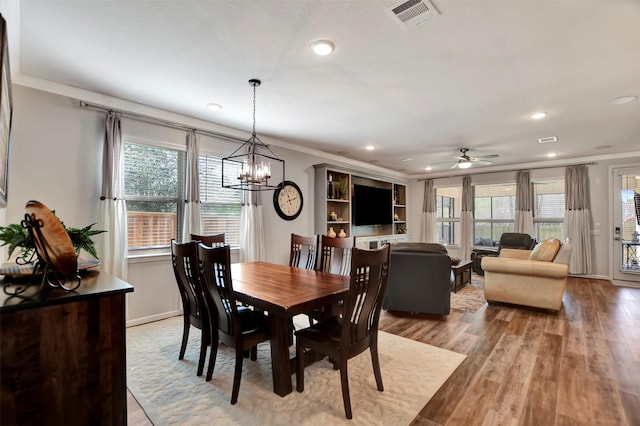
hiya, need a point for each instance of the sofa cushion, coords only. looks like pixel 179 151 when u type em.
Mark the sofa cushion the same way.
pixel 419 248
pixel 546 251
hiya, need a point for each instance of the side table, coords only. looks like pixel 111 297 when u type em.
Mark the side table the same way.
pixel 461 274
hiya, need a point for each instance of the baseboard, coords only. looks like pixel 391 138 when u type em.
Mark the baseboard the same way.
pixel 592 277
pixel 621 283
pixel 152 318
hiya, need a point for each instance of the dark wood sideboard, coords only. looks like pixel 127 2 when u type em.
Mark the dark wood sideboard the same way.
pixel 63 356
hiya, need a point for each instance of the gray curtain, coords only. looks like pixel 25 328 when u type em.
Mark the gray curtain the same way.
pixel 524 204
pixel 466 241
pixel 429 234
pixel 112 211
pixel 252 246
pixel 192 221
pixel 577 218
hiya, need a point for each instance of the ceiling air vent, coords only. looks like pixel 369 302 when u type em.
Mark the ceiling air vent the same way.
pixel 549 139
pixel 411 13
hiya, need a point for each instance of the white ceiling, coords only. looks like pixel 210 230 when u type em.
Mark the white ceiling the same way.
pixel 470 77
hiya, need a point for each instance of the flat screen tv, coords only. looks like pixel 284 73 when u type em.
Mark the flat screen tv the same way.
pixel 371 205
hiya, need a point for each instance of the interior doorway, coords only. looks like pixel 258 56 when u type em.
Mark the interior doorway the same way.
pixel 626 226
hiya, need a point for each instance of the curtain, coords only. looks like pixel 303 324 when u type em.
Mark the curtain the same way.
pixel 577 218
pixel 524 204
pixel 192 221
pixel 112 211
pixel 429 234
pixel 466 219
pixel 252 247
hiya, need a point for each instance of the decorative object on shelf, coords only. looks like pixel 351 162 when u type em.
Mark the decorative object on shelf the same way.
pixel 401 228
pixel 333 216
pixel 45 242
pixel 252 160
pixel 287 200
pixel 342 234
pixel 396 195
pixel 395 217
pixel 331 233
pixel 342 186
pixel 330 190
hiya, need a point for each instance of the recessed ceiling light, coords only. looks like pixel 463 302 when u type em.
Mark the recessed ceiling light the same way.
pixel 548 139
pixel 623 100
pixel 370 147
pixel 551 154
pixel 322 47
pixel 428 168
pixel 538 115
pixel 214 107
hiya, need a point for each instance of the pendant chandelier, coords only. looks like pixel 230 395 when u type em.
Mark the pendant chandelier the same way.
pixel 249 167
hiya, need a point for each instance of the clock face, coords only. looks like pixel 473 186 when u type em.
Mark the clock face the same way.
pixel 287 200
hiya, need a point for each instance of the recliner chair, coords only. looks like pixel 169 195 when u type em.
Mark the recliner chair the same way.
pixel 508 240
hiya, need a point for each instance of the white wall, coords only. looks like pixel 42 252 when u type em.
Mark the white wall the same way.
pixel 599 182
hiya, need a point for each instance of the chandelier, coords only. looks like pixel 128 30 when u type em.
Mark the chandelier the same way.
pixel 252 162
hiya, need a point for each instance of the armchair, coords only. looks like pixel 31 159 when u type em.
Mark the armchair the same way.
pixel 535 278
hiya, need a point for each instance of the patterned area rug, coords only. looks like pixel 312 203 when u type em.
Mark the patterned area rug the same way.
pixel 469 298
pixel 170 392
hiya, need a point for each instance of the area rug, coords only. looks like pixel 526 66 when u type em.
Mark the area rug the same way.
pixel 170 392
pixel 469 298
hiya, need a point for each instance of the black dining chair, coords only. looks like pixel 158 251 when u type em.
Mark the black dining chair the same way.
pixel 194 310
pixel 209 240
pixel 345 336
pixel 335 255
pixel 237 327
pixel 304 251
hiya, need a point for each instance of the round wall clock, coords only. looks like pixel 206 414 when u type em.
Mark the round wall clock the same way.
pixel 287 200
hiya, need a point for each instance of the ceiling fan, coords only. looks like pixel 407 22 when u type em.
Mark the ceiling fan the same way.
pixel 464 161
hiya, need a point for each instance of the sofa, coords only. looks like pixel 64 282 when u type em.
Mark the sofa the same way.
pixel 419 279
pixel 535 278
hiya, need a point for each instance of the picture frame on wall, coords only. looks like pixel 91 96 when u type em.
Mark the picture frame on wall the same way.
pixel 6 112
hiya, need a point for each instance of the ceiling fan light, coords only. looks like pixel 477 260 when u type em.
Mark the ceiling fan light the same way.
pixel 464 165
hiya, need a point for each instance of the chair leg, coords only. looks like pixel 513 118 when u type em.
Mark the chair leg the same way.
pixel 212 356
pixel 376 364
pixel 185 337
pixel 204 342
pixel 299 367
pixel 254 353
pixel 344 379
pixel 237 376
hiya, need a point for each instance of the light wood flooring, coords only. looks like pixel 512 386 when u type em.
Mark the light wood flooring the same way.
pixel 532 367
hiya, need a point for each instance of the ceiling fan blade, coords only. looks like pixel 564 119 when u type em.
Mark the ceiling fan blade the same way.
pixel 486 157
pixel 483 162
pixel 455 165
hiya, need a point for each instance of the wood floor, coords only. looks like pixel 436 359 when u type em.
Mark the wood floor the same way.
pixel 532 367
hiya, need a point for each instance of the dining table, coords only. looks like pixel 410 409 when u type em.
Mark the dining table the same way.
pixel 283 292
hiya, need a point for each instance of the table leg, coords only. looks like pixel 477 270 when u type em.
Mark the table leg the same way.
pixel 279 332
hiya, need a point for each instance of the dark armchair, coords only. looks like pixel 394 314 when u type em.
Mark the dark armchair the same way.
pixel 419 279
pixel 508 240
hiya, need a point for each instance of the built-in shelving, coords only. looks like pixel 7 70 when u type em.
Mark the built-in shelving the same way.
pixel 333 190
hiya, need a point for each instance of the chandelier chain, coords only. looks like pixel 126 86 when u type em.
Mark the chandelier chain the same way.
pixel 254 109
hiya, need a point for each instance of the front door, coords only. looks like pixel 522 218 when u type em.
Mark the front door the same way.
pixel 626 226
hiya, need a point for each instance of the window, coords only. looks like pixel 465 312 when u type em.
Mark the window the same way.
pixel 494 211
pixel 548 209
pixel 220 208
pixel 448 205
pixel 153 182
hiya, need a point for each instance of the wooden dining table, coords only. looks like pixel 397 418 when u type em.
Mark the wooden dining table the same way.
pixel 284 292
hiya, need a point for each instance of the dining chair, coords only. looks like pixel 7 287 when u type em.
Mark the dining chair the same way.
pixel 237 327
pixel 209 240
pixel 350 334
pixel 335 255
pixel 184 257
pixel 304 251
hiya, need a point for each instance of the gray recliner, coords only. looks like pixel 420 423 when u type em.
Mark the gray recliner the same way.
pixel 419 279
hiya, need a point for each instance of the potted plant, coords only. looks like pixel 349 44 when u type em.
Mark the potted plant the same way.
pixel 342 186
pixel 18 238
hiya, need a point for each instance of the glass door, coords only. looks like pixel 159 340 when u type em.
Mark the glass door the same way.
pixel 626 225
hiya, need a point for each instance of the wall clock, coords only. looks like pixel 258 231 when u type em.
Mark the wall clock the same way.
pixel 287 200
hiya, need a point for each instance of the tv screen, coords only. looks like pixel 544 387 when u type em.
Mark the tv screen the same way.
pixel 371 205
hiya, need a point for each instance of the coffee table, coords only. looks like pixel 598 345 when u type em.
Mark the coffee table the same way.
pixel 462 274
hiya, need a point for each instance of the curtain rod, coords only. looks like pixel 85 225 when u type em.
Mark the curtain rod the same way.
pixel 160 122
pixel 591 163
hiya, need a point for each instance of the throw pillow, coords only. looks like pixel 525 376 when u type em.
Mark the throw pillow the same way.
pixel 564 255
pixel 546 251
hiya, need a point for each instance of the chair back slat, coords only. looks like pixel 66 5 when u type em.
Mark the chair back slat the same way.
pixel 304 251
pixel 184 258
pixel 335 256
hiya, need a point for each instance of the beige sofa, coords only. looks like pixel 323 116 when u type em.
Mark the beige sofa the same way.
pixel 514 278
